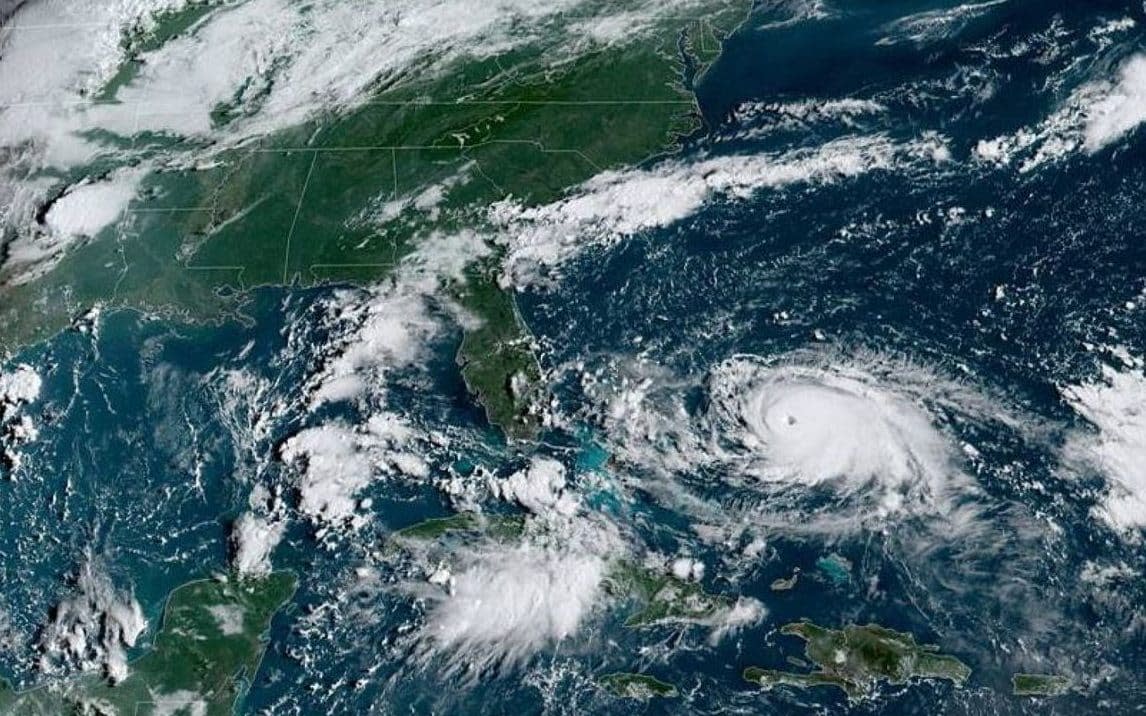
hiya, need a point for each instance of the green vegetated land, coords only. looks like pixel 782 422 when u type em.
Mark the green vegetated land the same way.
pixel 1039 684
pixel 659 598
pixel 337 199
pixel 202 661
pixel 436 527
pixel 641 687
pixel 856 658
pixel 662 597
pixel 433 533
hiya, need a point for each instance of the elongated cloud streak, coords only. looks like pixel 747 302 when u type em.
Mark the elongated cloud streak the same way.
pixel 617 204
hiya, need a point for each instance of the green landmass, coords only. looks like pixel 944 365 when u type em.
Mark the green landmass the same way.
pixel 663 597
pixel 202 661
pixel 1039 685
pixel 500 527
pixel 296 207
pixel 497 359
pixel 641 687
pixel 856 658
pixel 436 527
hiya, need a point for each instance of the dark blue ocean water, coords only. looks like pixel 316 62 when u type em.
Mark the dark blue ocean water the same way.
pixel 877 264
pixel 137 470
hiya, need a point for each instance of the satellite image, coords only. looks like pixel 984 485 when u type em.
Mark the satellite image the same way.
pixel 572 357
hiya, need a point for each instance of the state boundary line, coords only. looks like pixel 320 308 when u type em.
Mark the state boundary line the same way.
pixel 460 151
pixel 294 221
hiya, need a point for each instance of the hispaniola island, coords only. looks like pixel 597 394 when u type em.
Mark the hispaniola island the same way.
pixel 572 357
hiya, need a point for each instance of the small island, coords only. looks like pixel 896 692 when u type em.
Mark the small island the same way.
pixel 641 687
pixel 1039 685
pixel 856 658
pixel 783 584
pixel 202 660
